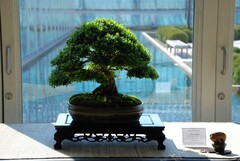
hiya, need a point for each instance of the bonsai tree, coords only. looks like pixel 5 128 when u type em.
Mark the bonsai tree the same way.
pixel 94 52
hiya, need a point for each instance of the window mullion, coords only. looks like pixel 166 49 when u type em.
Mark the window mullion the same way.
pixel 204 64
pixel 224 44
pixel 11 80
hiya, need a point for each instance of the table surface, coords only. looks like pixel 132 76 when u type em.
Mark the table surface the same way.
pixel 34 141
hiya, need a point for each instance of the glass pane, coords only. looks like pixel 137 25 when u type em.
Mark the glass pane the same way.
pixel 236 63
pixel 46 24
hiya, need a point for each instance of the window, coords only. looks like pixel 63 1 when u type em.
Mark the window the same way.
pixel 43 32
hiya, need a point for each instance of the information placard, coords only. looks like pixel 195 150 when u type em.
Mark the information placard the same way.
pixel 194 137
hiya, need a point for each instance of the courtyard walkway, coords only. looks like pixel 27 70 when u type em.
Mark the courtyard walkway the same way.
pixel 182 58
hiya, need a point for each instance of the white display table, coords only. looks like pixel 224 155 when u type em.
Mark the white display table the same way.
pixel 34 141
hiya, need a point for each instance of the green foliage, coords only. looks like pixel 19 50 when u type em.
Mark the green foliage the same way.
pixel 143 72
pixel 174 33
pixel 236 50
pixel 236 66
pixel 179 35
pixel 95 51
pixel 237 32
pixel 163 32
pixel 189 33
pixel 92 100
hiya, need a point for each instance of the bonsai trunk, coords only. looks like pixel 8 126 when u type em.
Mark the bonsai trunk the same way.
pixel 108 88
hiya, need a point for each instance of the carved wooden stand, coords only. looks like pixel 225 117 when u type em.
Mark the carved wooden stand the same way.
pixel 149 128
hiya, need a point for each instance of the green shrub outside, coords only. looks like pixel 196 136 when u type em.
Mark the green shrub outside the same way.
pixel 237 32
pixel 236 66
pixel 164 32
pixel 236 57
pixel 174 33
pixel 179 35
pixel 236 50
pixel 189 33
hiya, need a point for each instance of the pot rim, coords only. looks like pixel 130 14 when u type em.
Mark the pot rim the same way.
pixel 117 107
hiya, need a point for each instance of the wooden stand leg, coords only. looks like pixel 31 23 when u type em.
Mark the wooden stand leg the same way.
pixel 58 138
pixel 58 145
pixel 160 140
pixel 161 146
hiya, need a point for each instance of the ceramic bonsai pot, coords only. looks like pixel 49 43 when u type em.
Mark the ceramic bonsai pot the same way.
pixel 83 114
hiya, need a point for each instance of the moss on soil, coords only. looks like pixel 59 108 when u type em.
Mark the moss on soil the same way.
pixel 94 100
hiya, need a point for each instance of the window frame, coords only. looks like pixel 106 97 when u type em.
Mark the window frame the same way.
pixel 209 37
pixel 11 83
pixel 207 83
